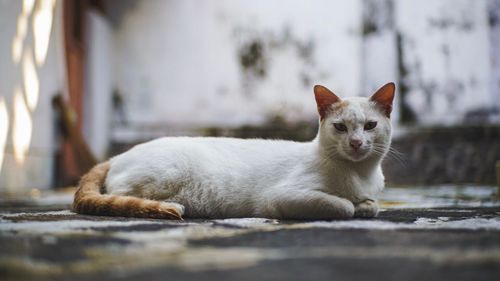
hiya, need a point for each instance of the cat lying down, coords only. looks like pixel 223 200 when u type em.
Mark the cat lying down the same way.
pixel 335 176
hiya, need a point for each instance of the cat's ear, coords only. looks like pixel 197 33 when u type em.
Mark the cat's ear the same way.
pixel 324 100
pixel 384 97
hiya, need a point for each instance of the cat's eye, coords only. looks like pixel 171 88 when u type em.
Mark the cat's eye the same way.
pixel 370 125
pixel 340 127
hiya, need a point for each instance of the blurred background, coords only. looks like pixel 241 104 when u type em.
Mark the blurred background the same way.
pixel 84 80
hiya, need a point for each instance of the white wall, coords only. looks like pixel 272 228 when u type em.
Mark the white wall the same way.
pixel 494 13
pixel 176 62
pixel 98 85
pixel 379 57
pixel 446 48
pixel 33 167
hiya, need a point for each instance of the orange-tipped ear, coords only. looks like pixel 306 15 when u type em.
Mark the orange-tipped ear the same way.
pixel 324 100
pixel 384 97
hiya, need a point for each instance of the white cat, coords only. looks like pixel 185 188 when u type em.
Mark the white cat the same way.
pixel 335 176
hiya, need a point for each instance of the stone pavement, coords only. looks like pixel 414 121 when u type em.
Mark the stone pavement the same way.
pixel 433 233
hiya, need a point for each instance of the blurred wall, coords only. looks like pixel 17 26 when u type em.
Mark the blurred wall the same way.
pixel 494 23
pixel 445 63
pixel 32 71
pixel 228 63
pixel 98 84
pixel 232 62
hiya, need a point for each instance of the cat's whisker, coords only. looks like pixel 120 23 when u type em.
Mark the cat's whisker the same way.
pixel 399 160
pixel 391 153
pixel 395 151
pixel 331 152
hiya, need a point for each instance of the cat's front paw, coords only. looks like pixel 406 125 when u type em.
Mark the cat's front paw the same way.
pixel 366 209
pixel 175 209
pixel 178 207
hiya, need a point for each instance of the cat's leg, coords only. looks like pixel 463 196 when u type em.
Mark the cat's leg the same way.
pixel 366 209
pixel 147 191
pixel 309 204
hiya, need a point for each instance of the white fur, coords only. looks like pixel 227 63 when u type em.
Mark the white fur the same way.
pixel 226 177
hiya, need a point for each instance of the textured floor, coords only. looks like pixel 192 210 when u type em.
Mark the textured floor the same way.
pixel 423 234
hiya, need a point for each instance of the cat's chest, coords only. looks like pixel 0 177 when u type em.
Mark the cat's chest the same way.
pixel 355 186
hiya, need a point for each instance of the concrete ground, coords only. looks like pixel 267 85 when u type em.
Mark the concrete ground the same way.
pixel 432 233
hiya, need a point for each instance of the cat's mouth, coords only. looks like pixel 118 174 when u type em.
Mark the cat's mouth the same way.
pixel 358 154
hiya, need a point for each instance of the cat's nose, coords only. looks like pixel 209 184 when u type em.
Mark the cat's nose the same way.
pixel 356 144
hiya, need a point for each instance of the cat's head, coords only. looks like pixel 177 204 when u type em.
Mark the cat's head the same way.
pixel 355 128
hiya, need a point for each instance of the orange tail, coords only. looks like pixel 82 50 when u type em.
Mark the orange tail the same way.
pixel 90 201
